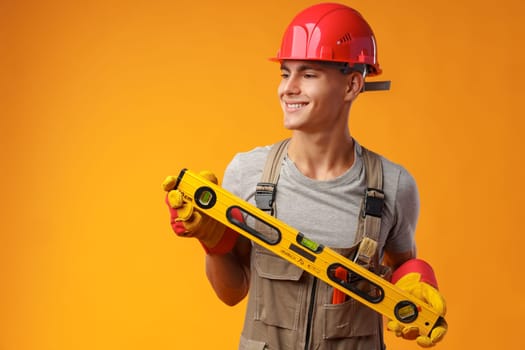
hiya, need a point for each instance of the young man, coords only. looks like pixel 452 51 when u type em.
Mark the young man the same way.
pixel 326 53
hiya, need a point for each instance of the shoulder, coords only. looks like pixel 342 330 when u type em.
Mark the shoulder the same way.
pixel 401 187
pixel 397 171
pixel 246 162
pixel 245 170
pixel 397 180
pixel 256 154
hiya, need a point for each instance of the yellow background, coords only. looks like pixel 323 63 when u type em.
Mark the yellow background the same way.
pixel 100 100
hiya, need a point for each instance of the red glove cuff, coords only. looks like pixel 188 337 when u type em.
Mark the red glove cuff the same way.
pixel 225 245
pixel 419 266
pixel 229 238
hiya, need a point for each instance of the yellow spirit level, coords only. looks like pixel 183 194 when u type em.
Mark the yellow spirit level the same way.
pixel 293 246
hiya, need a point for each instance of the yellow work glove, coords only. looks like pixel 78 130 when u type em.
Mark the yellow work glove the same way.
pixel 188 222
pixel 419 285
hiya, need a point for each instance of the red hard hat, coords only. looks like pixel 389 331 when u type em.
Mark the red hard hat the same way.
pixel 330 32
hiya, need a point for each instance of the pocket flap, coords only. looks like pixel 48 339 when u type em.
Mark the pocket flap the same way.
pixel 249 344
pixel 268 265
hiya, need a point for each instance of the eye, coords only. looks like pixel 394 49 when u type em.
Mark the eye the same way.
pixel 309 75
pixel 284 75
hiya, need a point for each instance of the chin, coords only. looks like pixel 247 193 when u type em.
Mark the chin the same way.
pixel 289 126
pixel 289 123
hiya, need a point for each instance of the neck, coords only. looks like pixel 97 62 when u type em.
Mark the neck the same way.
pixel 321 157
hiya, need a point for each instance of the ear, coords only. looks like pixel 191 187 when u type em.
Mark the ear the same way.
pixel 355 83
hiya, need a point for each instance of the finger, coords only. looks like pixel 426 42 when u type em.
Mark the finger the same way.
pixel 424 342
pixel 433 297
pixel 409 282
pixel 394 327
pixel 175 199
pixel 208 175
pixel 169 183
pixel 410 332
pixel 437 334
pixel 193 222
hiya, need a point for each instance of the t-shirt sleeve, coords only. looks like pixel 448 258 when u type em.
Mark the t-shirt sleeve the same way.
pixel 244 172
pixel 406 212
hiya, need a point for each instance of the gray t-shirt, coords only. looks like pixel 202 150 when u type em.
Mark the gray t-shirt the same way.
pixel 326 211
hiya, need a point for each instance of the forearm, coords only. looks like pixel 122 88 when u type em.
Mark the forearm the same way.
pixel 394 260
pixel 229 275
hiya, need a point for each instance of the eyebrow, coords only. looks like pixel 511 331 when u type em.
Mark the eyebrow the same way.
pixel 302 67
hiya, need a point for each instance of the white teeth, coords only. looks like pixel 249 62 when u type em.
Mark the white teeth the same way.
pixel 295 105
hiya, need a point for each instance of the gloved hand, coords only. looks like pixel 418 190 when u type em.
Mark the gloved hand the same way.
pixel 422 285
pixel 187 222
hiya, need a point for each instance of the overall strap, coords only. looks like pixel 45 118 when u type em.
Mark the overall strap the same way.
pixel 369 225
pixel 265 190
pixel 369 218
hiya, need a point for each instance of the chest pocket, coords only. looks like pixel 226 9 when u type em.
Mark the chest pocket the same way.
pixel 348 319
pixel 280 289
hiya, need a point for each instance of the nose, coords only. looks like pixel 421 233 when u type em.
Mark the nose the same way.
pixel 289 86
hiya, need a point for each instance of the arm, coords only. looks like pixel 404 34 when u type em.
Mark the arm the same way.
pixel 229 274
pixel 227 254
pixel 394 260
pixel 409 273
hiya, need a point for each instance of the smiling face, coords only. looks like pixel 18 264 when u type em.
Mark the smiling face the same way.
pixel 315 96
